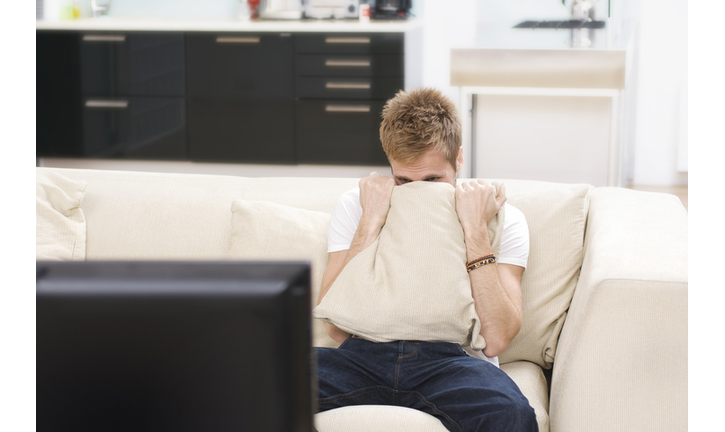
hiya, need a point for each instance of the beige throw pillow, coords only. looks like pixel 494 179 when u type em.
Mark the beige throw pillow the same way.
pixel 556 216
pixel 60 225
pixel 411 283
pixel 268 231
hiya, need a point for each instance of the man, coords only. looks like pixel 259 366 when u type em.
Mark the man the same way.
pixel 464 389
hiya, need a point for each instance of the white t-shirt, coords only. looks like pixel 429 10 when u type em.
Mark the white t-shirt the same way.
pixel 346 216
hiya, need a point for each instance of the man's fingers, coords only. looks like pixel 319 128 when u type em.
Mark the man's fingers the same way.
pixel 501 198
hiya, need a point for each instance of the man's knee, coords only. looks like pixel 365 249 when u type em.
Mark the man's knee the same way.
pixel 521 416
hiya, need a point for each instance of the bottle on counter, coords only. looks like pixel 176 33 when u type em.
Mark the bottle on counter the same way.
pixel 244 12
pixel 364 12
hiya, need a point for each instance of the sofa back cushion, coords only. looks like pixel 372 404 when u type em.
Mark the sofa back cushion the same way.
pixel 60 225
pixel 143 215
pixel 267 231
pixel 556 215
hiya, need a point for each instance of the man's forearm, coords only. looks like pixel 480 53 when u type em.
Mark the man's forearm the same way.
pixel 499 314
pixel 365 235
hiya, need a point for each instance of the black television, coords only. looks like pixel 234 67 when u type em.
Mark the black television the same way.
pixel 174 346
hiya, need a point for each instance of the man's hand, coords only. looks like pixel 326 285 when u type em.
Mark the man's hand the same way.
pixel 477 204
pixel 375 193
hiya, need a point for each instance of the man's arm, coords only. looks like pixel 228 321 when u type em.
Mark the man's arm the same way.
pixel 375 192
pixel 496 289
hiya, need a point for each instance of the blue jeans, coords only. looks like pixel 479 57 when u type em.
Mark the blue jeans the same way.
pixel 441 379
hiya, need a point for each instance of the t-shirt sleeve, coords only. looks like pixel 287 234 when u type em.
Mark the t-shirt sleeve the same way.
pixel 345 217
pixel 514 239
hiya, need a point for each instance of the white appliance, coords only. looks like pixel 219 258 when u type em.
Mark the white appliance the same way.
pixel 331 8
pixel 280 9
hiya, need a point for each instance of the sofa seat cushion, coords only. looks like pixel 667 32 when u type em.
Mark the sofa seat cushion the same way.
pixel 530 379
pixel 377 418
pixel 60 225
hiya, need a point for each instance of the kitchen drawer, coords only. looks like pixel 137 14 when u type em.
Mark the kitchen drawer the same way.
pixel 349 43
pixel 339 132
pixel 134 127
pixel 223 130
pixel 240 66
pixel 348 88
pixel 132 64
pixel 346 65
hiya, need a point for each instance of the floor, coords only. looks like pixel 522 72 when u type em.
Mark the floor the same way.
pixel 679 191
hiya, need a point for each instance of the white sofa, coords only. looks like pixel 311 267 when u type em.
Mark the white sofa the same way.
pixel 604 341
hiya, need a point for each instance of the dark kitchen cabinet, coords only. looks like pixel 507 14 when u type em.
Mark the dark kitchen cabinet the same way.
pixel 240 91
pixel 111 95
pixel 206 96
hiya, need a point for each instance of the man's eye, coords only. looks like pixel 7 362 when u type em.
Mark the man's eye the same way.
pixel 432 179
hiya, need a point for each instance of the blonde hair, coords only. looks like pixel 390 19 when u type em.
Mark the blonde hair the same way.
pixel 415 122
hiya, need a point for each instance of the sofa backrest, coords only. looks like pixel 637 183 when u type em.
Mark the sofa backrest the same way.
pixel 140 215
pixel 162 216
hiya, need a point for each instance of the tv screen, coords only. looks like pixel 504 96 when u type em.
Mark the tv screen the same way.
pixel 174 346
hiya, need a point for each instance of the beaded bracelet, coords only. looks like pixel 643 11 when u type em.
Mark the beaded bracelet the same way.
pixel 480 262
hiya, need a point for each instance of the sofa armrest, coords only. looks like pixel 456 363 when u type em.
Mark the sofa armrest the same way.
pixel 621 361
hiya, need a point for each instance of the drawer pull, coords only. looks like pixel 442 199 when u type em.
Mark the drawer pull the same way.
pixel 348 86
pixel 238 39
pixel 347 40
pixel 104 38
pixel 347 108
pixel 106 104
pixel 348 63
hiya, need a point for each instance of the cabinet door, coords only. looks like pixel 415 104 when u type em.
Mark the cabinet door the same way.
pixel 132 64
pixel 340 132
pixel 241 97
pixel 57 94
pixel 136 128
pixel 224 130
pixel 240 66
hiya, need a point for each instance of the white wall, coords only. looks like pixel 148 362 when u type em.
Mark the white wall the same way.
pixel 444 26
pixel 661 81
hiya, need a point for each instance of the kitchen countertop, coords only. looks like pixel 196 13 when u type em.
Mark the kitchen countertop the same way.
pixel 256 25
pixel 503 56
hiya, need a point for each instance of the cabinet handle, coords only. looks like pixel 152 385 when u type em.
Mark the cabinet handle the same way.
pixel 238 39
pixel 349 86
pixel 348 108
pixel 351 63
pixel 106 104
pixel 347 40
pixel 104 38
